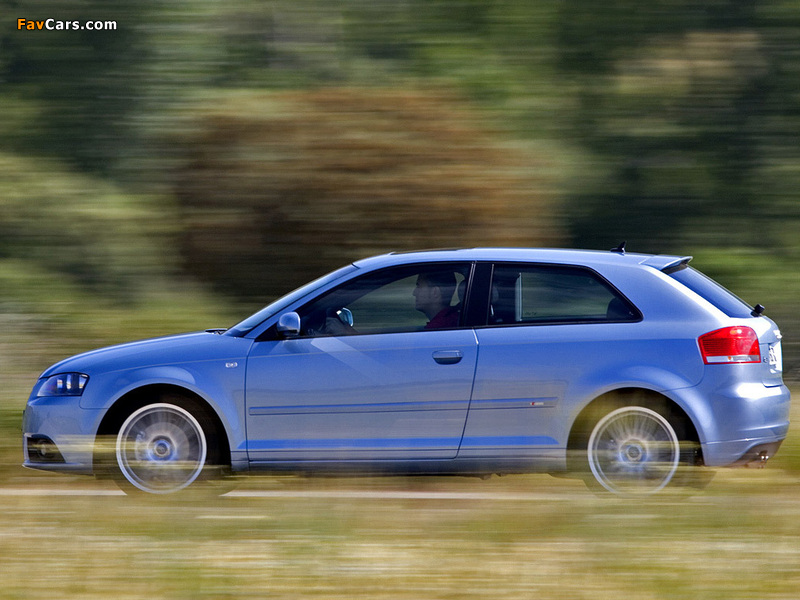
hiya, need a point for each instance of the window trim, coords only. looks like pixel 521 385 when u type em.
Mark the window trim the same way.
pixel 271 333
pixel 638 317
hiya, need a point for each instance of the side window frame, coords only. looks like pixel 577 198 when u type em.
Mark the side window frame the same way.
pixel 468 266
pixel 488 277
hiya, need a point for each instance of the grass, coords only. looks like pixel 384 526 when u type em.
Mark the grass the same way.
pixel 429 538
pixel 541 538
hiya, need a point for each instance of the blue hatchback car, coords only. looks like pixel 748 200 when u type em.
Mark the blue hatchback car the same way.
pixel 629 370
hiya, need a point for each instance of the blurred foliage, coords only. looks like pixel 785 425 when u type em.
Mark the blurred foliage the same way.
pixel 245 147
pixel 82 89
pixel 252 145
pixel 110 242
pixel 273 179
pixel 693 111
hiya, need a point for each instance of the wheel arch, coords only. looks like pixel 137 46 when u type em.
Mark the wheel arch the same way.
pixel 151 393
pixel 629 396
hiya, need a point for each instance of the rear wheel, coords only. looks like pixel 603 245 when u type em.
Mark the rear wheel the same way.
pixel 633 450
pixel 161 448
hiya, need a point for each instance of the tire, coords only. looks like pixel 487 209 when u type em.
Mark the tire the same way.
pixel 162 448
pixel 633 450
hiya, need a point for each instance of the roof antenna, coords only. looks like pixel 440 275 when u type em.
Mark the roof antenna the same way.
pixel 758 310
pixel 620 248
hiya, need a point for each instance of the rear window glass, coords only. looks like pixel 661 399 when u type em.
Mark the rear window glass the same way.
pixel 704 286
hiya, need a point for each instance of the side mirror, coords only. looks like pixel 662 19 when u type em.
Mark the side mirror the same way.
pixel 289 325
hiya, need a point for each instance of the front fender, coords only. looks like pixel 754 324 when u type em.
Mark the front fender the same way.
pixel 219 383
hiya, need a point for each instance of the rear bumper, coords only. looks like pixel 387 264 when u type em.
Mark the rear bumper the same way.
pixel 747 452
pixel 743 423
pixel 758 455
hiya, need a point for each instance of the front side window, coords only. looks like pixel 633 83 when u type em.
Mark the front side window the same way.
pixel 408 298
pixel 543 294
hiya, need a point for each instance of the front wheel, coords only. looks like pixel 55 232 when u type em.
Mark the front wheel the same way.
pixel 633 450
pixel 161 448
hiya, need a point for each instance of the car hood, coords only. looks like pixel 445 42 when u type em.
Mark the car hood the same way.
pixel 184 348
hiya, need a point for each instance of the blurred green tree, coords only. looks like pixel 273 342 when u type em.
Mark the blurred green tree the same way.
pixel 687 109
pixel 81 229
pixel 85 85
pixel 275 189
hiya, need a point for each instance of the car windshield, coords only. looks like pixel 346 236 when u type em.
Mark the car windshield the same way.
pixel 252 321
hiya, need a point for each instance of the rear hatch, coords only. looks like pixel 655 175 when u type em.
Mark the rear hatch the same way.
pixel 769 336
pixel 771 354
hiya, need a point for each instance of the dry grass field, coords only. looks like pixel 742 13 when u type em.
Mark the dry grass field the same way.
pixel 410 538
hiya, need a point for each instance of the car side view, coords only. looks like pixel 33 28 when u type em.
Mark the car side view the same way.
pixel 632 371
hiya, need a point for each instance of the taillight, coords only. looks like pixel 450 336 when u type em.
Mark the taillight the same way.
pixel 730 345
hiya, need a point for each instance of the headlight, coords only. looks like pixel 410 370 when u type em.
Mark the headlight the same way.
pixel 64 384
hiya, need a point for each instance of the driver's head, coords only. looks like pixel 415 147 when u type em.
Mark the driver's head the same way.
pixel 434 291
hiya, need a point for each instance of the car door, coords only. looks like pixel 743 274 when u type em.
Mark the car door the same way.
pixel 547 327
pixel 368 378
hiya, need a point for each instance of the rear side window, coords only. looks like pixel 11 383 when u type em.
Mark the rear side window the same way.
pixel 704 286
pixel 542 294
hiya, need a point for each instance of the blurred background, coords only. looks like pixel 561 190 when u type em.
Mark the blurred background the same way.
pixel 235 150
pixel 182 170
pixel 202 158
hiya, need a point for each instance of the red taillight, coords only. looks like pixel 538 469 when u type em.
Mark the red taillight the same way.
pixel 730 345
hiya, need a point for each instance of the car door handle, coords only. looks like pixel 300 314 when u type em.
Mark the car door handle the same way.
pixel 447 357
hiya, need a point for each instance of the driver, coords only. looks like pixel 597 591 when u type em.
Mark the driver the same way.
pixel 432 297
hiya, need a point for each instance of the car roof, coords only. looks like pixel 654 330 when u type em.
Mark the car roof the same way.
pixel 546 255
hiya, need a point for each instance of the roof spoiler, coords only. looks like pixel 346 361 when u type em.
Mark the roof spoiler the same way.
pixel 676 265
pixel 667 264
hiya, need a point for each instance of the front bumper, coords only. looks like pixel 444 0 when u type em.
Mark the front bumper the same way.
pixel 58 435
